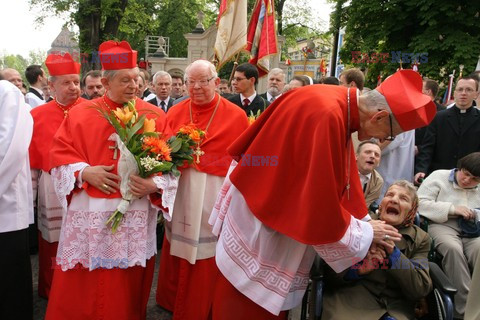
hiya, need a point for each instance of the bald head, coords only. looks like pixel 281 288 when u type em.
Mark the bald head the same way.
pixel 201 80
pixel 12 76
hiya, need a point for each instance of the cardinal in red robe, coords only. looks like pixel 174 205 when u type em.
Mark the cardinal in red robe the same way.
pixel 103 274
pixel 187 266
pixel 273 219
pixel 65 84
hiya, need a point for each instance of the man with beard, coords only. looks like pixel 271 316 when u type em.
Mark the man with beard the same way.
pixel 92 85
pixel 276 83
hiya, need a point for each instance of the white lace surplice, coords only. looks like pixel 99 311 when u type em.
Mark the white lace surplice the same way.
pixel 86 239
pixel 268 267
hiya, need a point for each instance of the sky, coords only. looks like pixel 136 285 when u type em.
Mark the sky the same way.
pixel 20 34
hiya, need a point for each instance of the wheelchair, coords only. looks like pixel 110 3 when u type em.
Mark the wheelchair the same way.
pixel 439 301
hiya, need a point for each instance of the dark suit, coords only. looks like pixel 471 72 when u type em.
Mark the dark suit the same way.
pixel 155 102
pixel 451 136
pixel 35 92
pixel 420 132
pixel 265 96
pixel 257 104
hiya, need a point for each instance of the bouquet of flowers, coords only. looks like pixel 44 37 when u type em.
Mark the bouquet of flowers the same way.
pixel 144 151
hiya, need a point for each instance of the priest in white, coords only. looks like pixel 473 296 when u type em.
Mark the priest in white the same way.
pixel 16 204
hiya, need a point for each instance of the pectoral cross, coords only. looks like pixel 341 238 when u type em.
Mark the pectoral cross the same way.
pixel 115 148
pixel 198 153
pixel 184 223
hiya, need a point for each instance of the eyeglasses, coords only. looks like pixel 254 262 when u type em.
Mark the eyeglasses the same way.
pixel 391 137
pixel 238 79
pixel 201 83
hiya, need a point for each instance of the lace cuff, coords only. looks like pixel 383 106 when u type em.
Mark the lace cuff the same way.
pixel 64 180
pixel 168 183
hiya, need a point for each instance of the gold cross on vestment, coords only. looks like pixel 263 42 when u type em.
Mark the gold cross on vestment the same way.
pixel 198 153
pixel 115 149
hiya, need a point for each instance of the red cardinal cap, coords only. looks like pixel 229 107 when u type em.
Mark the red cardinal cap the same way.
pixel 59 65
pixel 117 55
pixel 403 92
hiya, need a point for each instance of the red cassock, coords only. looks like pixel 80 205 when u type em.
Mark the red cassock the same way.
pixel 99 294
pixel 46 121
pixel 183 288
pixel 316 161
pixel 305 195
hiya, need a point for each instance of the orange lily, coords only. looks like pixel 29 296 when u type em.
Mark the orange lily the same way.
pixel 124 115
pixel 149 125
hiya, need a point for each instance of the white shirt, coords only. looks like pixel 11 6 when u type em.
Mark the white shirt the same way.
pixel 269 96
pixel 32 99
pixel 398 160
pixel 242 97
pixel 364 178
pixel 16 126
pixel 149 97
pixel 159 103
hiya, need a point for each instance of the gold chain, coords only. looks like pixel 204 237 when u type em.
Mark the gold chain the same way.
pixel 65 110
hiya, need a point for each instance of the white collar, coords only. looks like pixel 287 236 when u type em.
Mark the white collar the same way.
pixel 269 96
pixel 251 98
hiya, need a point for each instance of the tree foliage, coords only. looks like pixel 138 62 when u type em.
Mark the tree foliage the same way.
pixel 20 63
pixel 133 20
pixel 446 30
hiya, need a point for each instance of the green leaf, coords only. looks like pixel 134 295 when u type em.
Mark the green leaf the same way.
pixel 138 125
pixel 176 145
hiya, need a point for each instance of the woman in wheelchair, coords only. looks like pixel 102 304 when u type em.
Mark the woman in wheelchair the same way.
pixel 448 199
pixel 388 282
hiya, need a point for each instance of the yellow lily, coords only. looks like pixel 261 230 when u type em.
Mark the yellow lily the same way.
pixel 149 125
pixel 124 115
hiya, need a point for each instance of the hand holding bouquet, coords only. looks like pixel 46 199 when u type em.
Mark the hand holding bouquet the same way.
pixel 144 151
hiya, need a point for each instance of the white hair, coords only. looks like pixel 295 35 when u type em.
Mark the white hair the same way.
pixel 375 100
pixel 161 74
pixel 276 71
pixel 204 63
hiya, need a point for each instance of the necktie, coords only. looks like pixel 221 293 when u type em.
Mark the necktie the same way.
pixel 246 102
pixel 365 187
pixel 162 104
pixel 272 98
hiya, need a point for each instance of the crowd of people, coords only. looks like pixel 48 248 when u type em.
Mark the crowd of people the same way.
pixel 326 167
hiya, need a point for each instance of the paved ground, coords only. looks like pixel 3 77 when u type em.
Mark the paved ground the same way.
pixel 153 311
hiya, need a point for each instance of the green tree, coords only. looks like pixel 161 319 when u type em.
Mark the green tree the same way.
pixel 20 63
pixel 100 20
pixel 446 30
pixel 178 17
